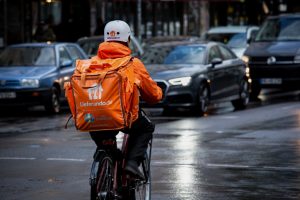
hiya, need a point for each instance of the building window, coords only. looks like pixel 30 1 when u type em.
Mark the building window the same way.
pixel 51 11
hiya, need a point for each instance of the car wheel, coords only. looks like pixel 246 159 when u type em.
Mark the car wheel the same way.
pixel 243 101
pixel 202 101
pixel 52 104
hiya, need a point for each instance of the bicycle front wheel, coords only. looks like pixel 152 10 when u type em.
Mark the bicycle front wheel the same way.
pixel 102 189
pixel 143 187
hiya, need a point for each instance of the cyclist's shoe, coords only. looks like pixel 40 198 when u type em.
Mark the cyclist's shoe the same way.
pixel 133 168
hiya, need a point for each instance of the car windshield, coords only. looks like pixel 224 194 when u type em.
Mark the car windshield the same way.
pixel 186 55
pixel 90 46
pixel 219 37
pixel 238 40
pixel 281 29
pixel 27 56
pixel 155 54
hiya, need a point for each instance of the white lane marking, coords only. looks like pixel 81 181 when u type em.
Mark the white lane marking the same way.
pixel 214 165
pixel 287 107
pixel 66 159
pixel 229 117
pixel 171 163
pixel 281 168
pixel 51 159
pixel 35 146
pixel 228 166
pixel 16 158
pixel 275 168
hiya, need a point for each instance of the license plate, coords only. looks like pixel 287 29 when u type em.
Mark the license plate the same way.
pixel 7 95
pixel 271 81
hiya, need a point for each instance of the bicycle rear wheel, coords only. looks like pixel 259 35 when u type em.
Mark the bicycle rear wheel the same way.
pixel 102 188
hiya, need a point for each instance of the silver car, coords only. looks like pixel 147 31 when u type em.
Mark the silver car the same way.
pixel 235 37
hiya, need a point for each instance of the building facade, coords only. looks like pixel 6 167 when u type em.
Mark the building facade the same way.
pixel 72 19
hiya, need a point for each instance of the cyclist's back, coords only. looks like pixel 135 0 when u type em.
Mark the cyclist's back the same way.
pixel 117 36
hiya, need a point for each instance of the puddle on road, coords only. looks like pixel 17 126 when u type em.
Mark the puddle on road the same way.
pixel 165 135
pixel 278 124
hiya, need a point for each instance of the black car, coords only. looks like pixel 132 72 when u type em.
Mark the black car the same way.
pixel 195 74
pixel 34 73
pixel 274 55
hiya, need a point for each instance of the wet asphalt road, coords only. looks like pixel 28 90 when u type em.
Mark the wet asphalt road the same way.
pixel 250 154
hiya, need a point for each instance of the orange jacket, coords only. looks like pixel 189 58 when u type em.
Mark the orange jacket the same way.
pixel 148 88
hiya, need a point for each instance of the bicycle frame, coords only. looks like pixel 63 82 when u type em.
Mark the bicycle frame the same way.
pixel 123 163
pixel 120 178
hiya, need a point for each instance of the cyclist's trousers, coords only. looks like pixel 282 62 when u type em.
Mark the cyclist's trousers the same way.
pixel 140 134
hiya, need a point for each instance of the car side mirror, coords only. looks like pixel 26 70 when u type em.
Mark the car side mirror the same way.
pixel 216 61
pixel 66 63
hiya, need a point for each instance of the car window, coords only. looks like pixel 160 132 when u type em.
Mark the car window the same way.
pixel 279 29
pixel 74 52
pixel 238 40
pixel 186 55
pixel 213 53
pixel 291 31
pixel 155 55
pixel 219 37
pixel 64 56
pixel 27 56
pixel 90 46
pixel 226 54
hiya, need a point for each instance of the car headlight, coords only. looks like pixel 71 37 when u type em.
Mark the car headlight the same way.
pixel 245 59
pixel 184 81
pixel 247 71
pixel 30 83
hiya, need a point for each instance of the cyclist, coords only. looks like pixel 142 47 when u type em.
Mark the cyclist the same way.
pixel 116 45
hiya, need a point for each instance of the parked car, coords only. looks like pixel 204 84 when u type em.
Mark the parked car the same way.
pixel 274 55
pixel 235 37
pixel 34 73
pixel 194 74
pixel 90 45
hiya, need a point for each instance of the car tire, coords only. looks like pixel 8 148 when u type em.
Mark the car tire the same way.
pixel 52 105
pixel 202 100
pixel 243 101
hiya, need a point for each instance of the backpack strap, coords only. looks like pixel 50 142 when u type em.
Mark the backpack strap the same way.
pixel 69 118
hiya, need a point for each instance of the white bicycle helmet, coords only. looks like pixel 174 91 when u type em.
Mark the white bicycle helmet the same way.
pixel 116 30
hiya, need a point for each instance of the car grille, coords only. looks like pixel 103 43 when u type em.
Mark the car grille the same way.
pixel 279 60
pixel 5 83
pixel 163 85
pixel 284 67
pixel 272 71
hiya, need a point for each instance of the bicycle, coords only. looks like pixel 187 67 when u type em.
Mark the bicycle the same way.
pixel 108 179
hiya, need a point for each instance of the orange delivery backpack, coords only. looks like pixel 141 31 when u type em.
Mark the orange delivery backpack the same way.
pixel 101 94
